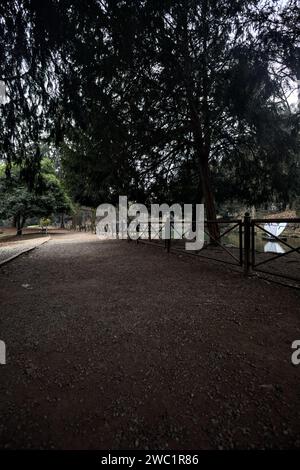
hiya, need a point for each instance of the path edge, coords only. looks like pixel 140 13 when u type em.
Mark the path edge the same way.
pixel 27 250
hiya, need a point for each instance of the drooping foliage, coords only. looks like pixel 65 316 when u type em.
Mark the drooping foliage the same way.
pixel 173 99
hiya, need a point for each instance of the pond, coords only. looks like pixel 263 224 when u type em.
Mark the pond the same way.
pixel 232 239
pixel 262 245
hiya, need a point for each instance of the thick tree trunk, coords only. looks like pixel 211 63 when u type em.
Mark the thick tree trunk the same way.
pixel 209 202
pixel 202 148
pixel 200 116
pixel 202 153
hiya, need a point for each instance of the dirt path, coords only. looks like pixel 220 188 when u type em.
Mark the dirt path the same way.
pixel 113 345
pixel 10 250
pixel 12 245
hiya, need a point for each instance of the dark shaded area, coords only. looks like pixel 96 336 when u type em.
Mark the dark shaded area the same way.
pixel 106 351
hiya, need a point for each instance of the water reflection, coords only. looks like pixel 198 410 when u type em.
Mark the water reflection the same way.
pixel 262 245
pixel 273 247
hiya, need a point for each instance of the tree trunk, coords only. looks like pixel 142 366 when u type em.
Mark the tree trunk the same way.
pixel 62 221
pixel 200 120
pixel 202 153
pixel 210 208
pixel 19 224
pixel 202 148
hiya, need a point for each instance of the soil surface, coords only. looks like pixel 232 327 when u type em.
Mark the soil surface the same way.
pixel 114 345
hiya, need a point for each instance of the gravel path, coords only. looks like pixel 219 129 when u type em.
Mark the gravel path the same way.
pixel 114 345
pixel 13 248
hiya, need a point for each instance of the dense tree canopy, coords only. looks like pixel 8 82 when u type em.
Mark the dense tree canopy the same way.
pixel 18 203
pixel 180 99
